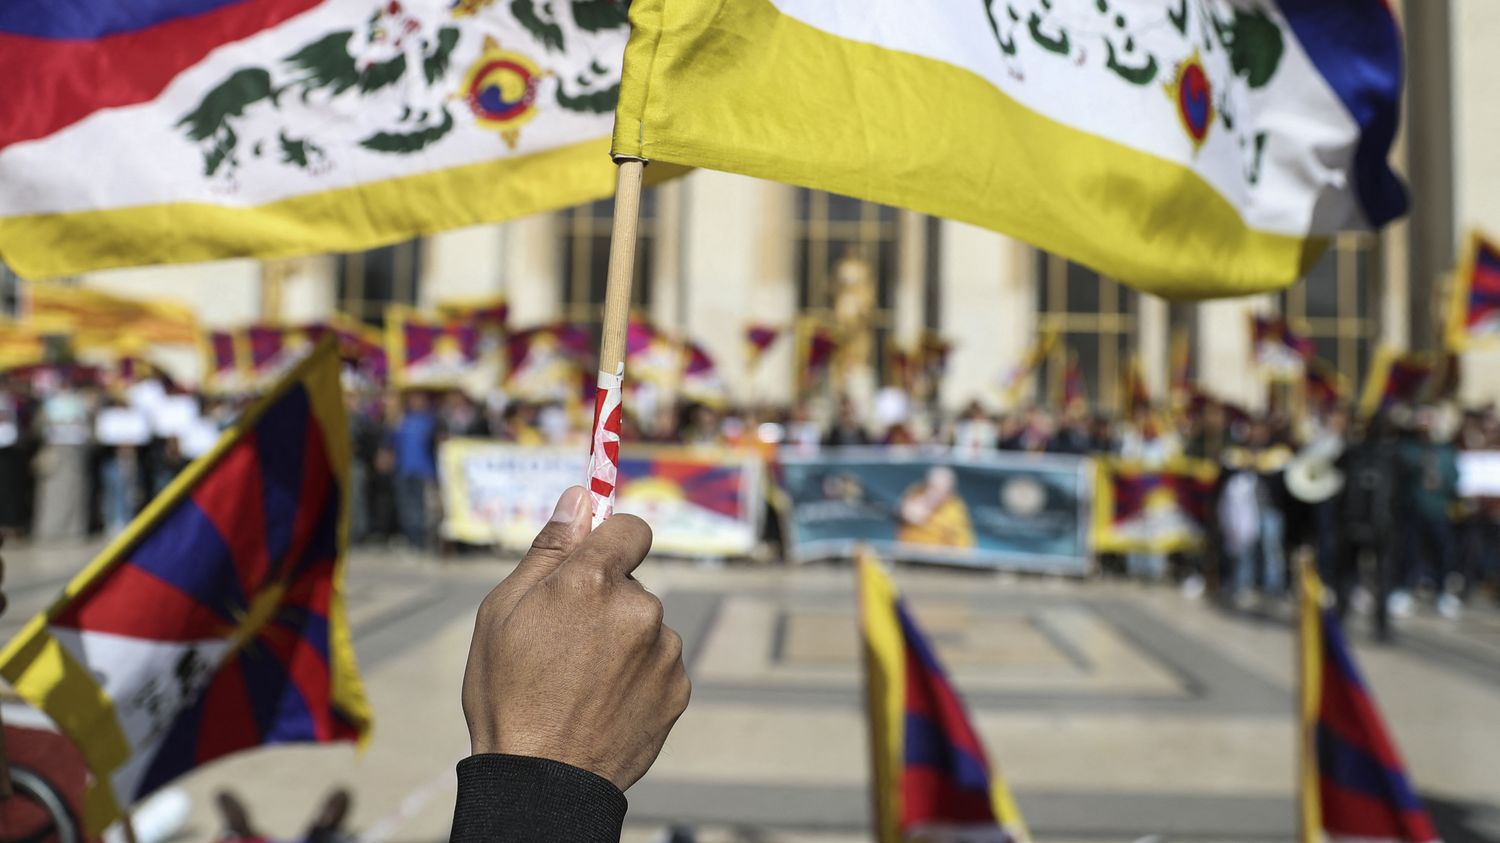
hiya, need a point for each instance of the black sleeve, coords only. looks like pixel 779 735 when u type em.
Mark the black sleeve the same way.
pixel 517 799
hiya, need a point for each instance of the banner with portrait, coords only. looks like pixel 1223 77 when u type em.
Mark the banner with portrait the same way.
pixel 699 502
pixel 1022 512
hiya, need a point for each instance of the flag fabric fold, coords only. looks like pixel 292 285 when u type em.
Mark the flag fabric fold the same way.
pixel 932 780
pixel 1353 785
pixel 216 621
pixel 1187 149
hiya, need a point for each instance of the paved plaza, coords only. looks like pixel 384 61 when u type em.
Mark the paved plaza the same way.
pixel 1116 710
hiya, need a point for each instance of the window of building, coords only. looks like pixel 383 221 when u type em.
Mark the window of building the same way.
pixel 847 261
pixel 1335 305
pixel 369 281
pixel 585 232
pixel 1095 318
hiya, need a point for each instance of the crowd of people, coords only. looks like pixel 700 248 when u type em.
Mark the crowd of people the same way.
pixel 1396 526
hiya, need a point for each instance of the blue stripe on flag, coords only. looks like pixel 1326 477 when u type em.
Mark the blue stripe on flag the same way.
pixel 1356 46
pixel 88 19
pixel 1336 651
pixel 186 551
pixel 281 437
pixel 1354 769
pixel 281 714
pixel 926 745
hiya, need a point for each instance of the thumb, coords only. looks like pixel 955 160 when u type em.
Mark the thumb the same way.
pixel 552 546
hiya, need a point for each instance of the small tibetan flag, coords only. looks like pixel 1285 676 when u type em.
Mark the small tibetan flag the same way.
pixel 1353 784
pixel 758 338
pixel 700 377
pixel 223 361
pixel 1475 314
pixel 1074 388
pixel 1278 351
pixel 1323 386
pixel 931 778
pixel 215 622
pixel 816 346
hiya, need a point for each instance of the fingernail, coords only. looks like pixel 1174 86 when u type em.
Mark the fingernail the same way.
pixel 568 505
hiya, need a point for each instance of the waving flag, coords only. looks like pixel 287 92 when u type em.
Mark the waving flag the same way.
pixel 1475 314
pixel 223 361
pixel 272 351
pixel 1353 784
pixel 815 348
pixel 1322 385
pixel 492 314
pixel 1161 509
pixel 1188 149
pixel 361 347
pixel 94 318
pixel 1397 378
pixel 931 777
pixel 215 622
pixel 546 363
pixel 1021 374
pixel 700 377
pixel 427 351
pixel 1075 391
pixel 1278 351
pixel 161 132
pixel 651 355
pixel 758 338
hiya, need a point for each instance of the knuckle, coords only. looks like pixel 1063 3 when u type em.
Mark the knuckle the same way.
pixel 646 611
pixel 631 527
pixel 588 578
pixel 671 644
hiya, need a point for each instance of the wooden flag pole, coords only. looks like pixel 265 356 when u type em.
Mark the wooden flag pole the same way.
pixel 605 443
pixel 5 787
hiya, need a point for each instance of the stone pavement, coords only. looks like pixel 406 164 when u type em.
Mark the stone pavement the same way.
pixel 1116 710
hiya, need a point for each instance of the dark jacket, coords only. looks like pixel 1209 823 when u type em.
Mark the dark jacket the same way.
pixel 516 799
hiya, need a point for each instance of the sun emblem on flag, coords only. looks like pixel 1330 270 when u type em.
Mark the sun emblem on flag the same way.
pixel 1192 93
pixel 501 89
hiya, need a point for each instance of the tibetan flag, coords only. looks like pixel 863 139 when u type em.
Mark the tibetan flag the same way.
pixel 700 377
pixel 1135 395
pixel 215 622
pixel 1353 784
pixel 931 777
pixel 546 363
pixel 652 356
pixel 224 363
pixel 361 347
pixel 815 349
pixel 1475 317
pixel 1322 386
pixel 1397 378
pixel 1188 149
pixel 426 351
pixel 162 132
pixel 758 338
pixel 1278 351
pixel 1022 373
pixel 492 314
pixel 1074 388
pixel 272 351
pixel 1164 509
pixel 95 318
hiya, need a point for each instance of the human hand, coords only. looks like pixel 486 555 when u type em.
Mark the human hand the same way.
pixel 570 660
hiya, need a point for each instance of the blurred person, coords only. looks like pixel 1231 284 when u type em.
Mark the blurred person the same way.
pixel 933 513
pixel 327 825
pixel 1367 517
pixel 364 441
pixel 1010 434
pixel 1429 486
pixel 63 486
pixel 170 462
pixel 1072 435
pixel 974 432
pixel 414 448
pixel 1261 460
pixel 1325 447
pixel 120 481
pixel 846 429
pixel 572 686
pixel 14 459
pixel 701 425
pixel 460 417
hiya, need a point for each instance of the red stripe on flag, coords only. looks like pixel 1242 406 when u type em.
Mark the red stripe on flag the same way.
pixel 1348 813
pixel 228 722
pixel 928 795
pixel 313 588
pixel 930 696
pixel 53 83
pixel 1348 712
pixel 312 498
pixel 307 670
pixel 138 604
pixel 232 500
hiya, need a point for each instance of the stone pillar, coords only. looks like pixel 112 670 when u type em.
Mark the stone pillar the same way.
pixel 1430 145
pixel 1224 368
pixel 1153 332
pixel 532 269
pixel 467 263
pixel 988 310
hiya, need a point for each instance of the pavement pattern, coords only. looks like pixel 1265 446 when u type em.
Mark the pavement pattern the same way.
pixel 1116 710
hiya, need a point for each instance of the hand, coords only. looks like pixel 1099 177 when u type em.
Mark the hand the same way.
pixel 570 659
